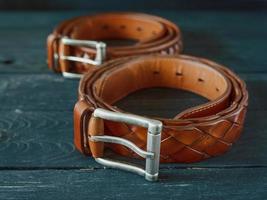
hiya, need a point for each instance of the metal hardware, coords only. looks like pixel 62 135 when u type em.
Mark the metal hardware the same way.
pixel 100 54
pixel 71 75
pixel 152 154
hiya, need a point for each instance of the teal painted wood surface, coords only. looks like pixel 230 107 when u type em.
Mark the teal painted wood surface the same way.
pixel 37 156
pixel 101 184
pixel 130 5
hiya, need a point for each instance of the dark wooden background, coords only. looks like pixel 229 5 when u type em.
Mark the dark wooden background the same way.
pixel 130 4
pixel 37 156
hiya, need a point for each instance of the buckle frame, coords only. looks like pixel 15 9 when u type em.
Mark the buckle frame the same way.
pixel 152 154
pixel 99 59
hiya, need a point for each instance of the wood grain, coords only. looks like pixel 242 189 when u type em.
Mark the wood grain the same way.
pixel 44 139
pixel 49 91
pixel 37 156
pixel 220 36
pixel 112 184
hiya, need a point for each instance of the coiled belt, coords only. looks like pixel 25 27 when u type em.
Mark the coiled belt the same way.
pixel 193 135
pixel 76 46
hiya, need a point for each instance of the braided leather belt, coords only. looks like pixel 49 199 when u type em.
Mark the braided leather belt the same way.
pixel 81 40
pixel 193 135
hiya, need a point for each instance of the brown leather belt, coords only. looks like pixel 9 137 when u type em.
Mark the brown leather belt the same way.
pixel 80 40
pixel 193 135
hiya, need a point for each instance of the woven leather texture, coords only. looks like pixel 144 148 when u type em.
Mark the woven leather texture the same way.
pixel 152 35
pixel 196 134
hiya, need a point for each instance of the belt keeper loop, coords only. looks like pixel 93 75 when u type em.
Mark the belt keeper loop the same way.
pixel 96 128
pixel 53 52
pixel 50 51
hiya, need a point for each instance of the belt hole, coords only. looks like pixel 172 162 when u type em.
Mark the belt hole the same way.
pixel 200 80
pixel 122 26
pixel 178 74
pixel 139 29
pixel 105 27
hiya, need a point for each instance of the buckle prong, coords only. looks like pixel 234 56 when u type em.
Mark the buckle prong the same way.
pixel 152 153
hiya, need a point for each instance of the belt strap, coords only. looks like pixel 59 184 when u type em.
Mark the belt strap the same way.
pixel 80 39
pixel 193 135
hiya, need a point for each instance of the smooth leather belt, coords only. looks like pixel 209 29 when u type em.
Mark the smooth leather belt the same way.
pixel 80 40
pixel 193 135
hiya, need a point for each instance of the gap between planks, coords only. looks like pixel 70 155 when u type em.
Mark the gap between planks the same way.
pixel 32 168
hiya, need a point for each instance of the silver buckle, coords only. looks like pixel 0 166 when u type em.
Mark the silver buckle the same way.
pixel 100 54
pixel 152 154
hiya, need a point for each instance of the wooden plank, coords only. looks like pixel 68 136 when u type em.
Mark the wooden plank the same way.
pixel 187 17
pixel 41 92
pixel 36 120
pixel 54 93
pixel 231 42
pixel 230 54
pixel 45 139
pixel 38 159
pixel 237 183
